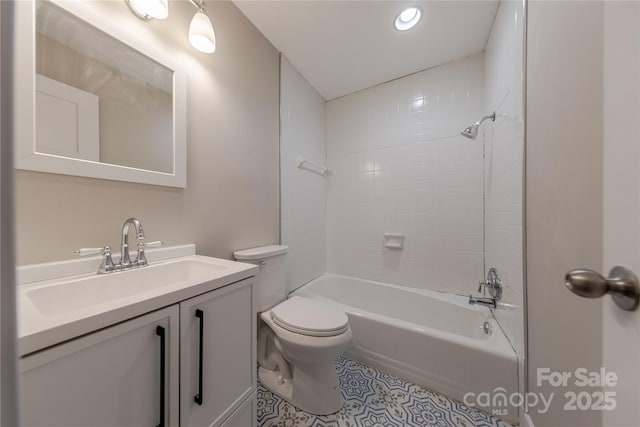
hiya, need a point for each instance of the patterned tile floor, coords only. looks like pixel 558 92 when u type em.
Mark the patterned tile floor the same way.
pixel 375 399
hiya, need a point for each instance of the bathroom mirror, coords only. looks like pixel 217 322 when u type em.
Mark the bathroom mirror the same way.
pixel 95 101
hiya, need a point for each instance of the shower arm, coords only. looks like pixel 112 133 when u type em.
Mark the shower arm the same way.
pixel 491 116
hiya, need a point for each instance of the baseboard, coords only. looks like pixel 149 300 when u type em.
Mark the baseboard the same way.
pixel 525 420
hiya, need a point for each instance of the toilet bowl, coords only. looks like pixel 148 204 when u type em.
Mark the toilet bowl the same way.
pixel 298 339
pixel 305 375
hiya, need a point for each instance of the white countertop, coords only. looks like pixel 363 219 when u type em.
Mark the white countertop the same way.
pixel 38 328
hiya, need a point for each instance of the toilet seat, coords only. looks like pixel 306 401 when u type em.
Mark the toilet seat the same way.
pixel 307 317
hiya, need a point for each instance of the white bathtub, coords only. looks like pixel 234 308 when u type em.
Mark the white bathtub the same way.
pixel 430 338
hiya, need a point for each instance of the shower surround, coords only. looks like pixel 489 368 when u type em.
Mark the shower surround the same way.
pixel 399 164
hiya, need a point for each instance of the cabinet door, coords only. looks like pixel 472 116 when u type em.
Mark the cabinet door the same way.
pixel 222 323
pixel 107 378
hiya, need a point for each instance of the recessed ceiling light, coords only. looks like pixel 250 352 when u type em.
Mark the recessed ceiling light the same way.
pixel 408 18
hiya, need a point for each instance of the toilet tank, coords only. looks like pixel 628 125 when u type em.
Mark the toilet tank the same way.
pixel 272 283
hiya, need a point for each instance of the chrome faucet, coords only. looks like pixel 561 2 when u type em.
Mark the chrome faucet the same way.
pixel 494 285
pixel 125 263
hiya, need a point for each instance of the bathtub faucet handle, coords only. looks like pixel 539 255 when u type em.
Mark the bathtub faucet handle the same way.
pixel 494 285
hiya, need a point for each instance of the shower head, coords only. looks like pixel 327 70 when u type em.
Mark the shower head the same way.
pixel 472 131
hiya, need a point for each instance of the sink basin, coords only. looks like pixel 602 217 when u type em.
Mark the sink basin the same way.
pixel 80 293
pixel 63 300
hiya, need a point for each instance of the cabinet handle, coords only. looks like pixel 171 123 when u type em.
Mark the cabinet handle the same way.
pixel 198 397
pixel 161 334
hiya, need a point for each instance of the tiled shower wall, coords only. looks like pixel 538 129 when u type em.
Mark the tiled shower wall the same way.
pixel 399 165
pixel 503 165
pixel 303 193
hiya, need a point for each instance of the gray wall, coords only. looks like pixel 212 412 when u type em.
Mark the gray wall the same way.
pixel 232 197
pixel 564 194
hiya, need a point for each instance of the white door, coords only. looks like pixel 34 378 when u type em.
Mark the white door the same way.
pixel 621 333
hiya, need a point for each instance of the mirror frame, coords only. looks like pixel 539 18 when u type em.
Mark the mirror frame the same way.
pixel 26 156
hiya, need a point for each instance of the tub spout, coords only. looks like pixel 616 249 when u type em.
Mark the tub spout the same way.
pixel 487 302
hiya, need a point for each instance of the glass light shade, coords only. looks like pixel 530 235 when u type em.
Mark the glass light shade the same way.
pixel 201 34
pixel 408 18
pixel 147 9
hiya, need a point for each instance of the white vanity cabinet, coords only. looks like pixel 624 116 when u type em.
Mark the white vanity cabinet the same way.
pixel 108 378
pixel 246 415
pixel 217 351
pixel 115 376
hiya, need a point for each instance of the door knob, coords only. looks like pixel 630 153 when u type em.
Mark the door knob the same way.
pixel 622 285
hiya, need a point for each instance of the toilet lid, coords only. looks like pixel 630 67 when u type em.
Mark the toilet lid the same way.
pixel 308 317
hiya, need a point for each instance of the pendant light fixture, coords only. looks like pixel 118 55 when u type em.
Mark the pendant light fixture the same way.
pixel 201 34
pixel 148 9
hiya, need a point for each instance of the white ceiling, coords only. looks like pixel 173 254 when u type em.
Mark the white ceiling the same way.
pixel 344 46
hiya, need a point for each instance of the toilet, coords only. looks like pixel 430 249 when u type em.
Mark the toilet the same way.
pixel 298 338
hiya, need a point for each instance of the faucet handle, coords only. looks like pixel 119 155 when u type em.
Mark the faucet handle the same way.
pixel 481 283
pixel 141 259
pixel 107 263
pixel 90 251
